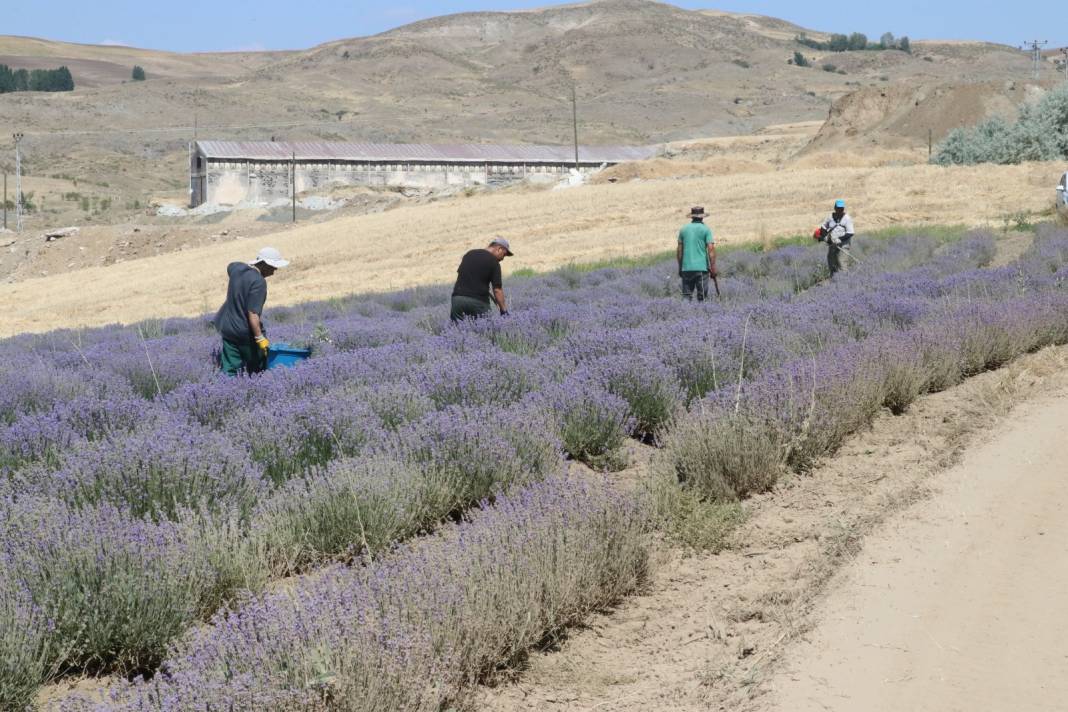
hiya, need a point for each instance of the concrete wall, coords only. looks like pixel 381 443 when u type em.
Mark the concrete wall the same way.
pixel 263 182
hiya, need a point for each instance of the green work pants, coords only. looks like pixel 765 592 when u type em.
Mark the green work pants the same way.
pixel 468 307
pixel 241 357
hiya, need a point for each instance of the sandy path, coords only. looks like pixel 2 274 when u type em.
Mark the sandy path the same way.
pixel 957 604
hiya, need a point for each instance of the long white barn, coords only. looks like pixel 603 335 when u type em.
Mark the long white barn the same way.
pixel 260 172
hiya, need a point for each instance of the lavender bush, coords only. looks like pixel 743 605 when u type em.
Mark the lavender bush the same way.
pixel 414 630
pixel 154 472
pixel 401 420
pixel 109 591
pixel 25 656
pixel 594 424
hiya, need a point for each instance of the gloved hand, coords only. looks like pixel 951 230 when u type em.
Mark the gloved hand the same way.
pixel 263 344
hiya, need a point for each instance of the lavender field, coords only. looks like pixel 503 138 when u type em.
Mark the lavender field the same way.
pixel 383 526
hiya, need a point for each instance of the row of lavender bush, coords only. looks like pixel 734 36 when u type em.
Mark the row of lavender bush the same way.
pixel 191 486
pixel 413 630
pixel 798 411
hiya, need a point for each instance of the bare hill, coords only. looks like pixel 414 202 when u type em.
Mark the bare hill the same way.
pixel 645 72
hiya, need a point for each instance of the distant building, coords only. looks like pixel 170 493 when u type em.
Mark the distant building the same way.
pixel 258 172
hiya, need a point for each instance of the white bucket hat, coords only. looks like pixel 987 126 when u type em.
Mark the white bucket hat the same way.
pixel 270 256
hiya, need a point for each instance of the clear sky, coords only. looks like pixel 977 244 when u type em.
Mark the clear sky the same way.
pixel 200 25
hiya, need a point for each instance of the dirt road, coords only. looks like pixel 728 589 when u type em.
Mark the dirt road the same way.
pixel 958 603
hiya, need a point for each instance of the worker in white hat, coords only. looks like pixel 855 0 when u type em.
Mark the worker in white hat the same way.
pixel 239 320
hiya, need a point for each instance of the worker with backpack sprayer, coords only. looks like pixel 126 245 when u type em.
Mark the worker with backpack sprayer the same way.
pixel 837 232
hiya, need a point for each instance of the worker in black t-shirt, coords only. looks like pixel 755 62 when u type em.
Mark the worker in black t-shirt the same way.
pixel 479 271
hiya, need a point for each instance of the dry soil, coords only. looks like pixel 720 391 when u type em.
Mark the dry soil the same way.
pixel 958 603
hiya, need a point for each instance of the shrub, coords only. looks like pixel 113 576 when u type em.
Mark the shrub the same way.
pixel 478 451
pixel 694 521
pixel 723 456
pixel 800 60
pixel 829 68
pixel 395 404
pixel 156 471
pixel 594 424
pixel 649 387
pixel 478 379
pixel 138 73
pixel 115 591
pixel 298 433
pixel 26 657
pixel 354 506
pixel 415 630
pixel 1040 133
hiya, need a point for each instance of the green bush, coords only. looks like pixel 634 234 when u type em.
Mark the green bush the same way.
pixel 138 73
pixel 800 61
pixel 1039 134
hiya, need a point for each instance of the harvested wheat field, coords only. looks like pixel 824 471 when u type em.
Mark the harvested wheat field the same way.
pixel 421 245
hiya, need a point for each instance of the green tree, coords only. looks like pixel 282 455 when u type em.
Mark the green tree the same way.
pixel 138 73
pixel 799 60
pixel 7 79
pixel 904 45
pixel 64 81
pixel 858 41
pixel 887 41
pixel 839 43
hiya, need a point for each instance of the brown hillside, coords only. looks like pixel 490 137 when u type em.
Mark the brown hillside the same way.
pixel 904 116
pixel 645 72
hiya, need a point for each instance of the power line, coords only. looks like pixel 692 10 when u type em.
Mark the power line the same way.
pixel 1035 47
pixel 18 183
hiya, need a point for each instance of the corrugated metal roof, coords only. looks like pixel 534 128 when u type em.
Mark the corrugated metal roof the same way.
pixel 401 152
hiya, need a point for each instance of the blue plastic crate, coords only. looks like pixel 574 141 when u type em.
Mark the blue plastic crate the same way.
pixel 285 355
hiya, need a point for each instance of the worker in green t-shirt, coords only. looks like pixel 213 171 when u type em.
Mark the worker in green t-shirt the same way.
pixel 696 255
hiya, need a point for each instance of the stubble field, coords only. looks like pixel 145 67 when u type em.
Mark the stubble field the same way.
pixel 421 245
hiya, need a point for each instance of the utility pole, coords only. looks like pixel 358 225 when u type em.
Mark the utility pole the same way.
pixel 1064 54
pixel 5 198
pixel 18 184
pixel 574 123
pixel 293 182
pixel 1035 47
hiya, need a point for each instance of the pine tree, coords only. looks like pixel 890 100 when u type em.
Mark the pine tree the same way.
pixel 138 73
